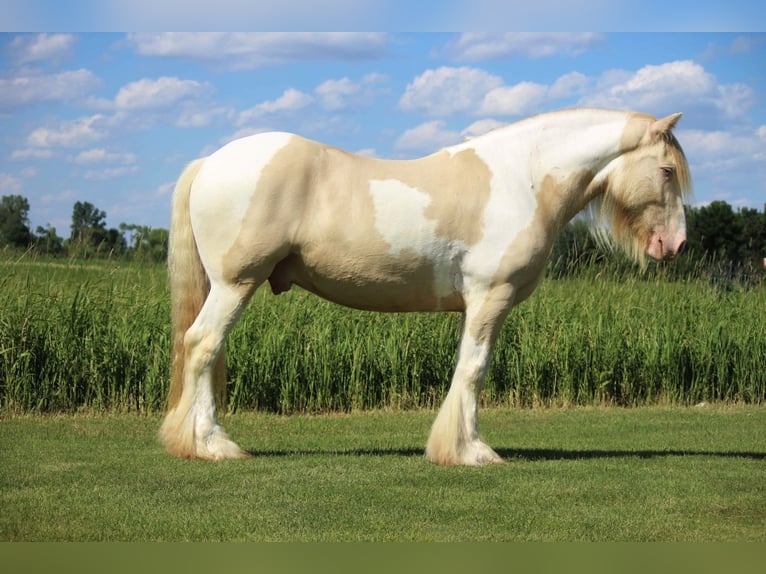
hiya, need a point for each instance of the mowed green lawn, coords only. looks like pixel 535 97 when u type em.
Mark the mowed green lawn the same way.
pixel 601 474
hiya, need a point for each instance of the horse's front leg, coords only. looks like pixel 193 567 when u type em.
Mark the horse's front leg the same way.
pixel 454 436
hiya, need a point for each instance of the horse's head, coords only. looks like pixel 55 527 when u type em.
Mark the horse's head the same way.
pixel 645 188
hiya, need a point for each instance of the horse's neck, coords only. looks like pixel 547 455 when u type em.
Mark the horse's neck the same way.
pixel 566 142
pixel 567 148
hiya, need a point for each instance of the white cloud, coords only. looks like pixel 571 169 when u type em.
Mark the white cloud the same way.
pixel 110 173
pixel 715 150
pixel 434 135
pixel 474 46
pixel 526 98
pixel 69 133
pixel 742 45
pixel 473 91
pixel 674 86
pixel 745 44
pixel 683 86
pixel 734 100
pixel 251 50
pixel 240 133
pixel 728 164
pixel 100 155
pixel 40 47
pixel 568 85
pixel 200 116
pixel 66 195
pixel 427 137
pixel 30 87
pixel 367 152
pixel 522 99
pixel 375 78
pixel 481 127
pixel 162 93
pixel 144 103
pixel 448 90
pixel 335 93
pixel 166 188
pixel 9 184
pixel 31 153
pixel 344 94
pixel 673 77
pixel 291 100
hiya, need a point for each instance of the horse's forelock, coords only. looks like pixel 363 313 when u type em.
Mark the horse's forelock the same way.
pixel 683 174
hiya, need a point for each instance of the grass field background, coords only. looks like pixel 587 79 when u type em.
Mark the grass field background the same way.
pixel 586 473
pixel 335 406
pixel 95 336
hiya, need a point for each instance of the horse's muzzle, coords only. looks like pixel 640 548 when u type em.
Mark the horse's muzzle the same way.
pixel 664 248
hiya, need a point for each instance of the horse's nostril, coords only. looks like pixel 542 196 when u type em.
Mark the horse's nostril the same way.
pixel 681 247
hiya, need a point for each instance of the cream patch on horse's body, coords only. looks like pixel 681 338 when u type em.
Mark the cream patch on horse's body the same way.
pixel 468 228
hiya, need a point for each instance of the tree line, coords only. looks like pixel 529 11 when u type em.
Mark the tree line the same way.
pixel 721 242
pixel 733 239
pixel 89 236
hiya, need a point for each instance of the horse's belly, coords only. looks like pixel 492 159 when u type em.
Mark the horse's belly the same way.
pixel 372 282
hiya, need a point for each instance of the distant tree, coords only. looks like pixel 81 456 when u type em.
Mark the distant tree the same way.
pixel 136 236
pixel 693 242
pixel 89 235
pixel 752 244
pixel 114 243
pixel 145 243
pixel 47 241
pixel 734 240
pixel 88 225
pixel 717 230
pixel 14 221
pixel 158 244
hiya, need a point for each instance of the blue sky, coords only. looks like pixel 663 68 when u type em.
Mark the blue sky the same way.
pixel 112 118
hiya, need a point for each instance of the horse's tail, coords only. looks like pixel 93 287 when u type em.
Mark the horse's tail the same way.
pixel 189 284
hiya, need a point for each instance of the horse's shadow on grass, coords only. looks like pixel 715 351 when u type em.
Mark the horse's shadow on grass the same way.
pixel 516 454
pixel 543 454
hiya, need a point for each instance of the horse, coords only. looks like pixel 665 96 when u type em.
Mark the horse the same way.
pixel 466 229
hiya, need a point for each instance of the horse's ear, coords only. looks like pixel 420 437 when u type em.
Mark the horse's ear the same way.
pixel 664 125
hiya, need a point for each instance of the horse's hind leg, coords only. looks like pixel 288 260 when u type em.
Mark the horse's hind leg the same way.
pixel 191 430
pixel 454 437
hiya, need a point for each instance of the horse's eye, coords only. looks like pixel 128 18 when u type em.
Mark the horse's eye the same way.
pixel 667 172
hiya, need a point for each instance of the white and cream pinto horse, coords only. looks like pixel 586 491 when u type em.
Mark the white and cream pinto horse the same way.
pixel 465 229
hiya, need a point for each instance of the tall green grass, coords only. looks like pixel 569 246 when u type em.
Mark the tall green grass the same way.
pixel 96 336
pixel 78 335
